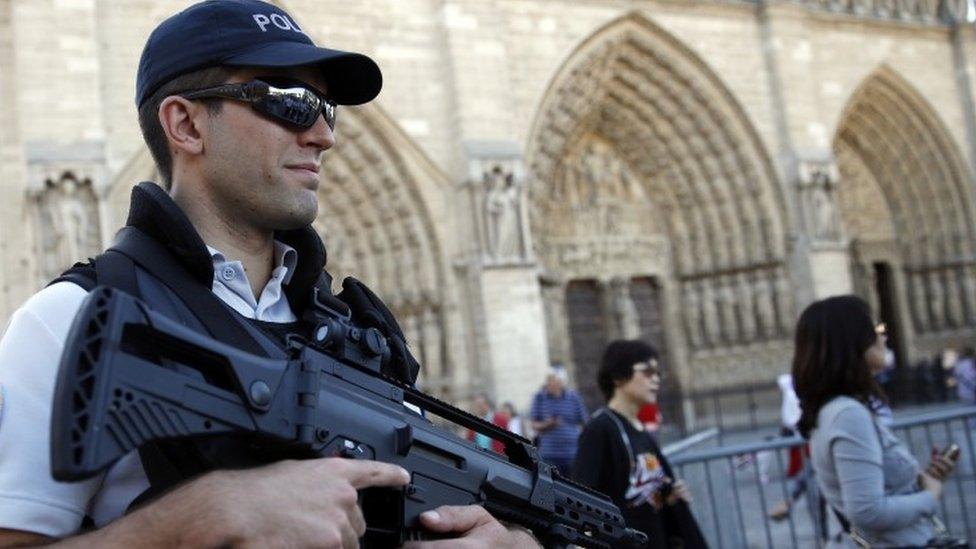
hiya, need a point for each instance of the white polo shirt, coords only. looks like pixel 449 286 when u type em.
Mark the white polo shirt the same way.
pixel 30 351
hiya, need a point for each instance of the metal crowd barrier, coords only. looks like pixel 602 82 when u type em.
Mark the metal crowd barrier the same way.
pixel 735 487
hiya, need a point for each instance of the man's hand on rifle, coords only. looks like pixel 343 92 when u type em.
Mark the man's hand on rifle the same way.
pixel 475 527
pixel 302 503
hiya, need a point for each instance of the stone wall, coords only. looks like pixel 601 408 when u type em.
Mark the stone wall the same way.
pixel 712 147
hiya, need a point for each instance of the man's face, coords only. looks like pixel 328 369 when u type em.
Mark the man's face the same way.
pixel 480 406
pixel 554 384
pixel 264 174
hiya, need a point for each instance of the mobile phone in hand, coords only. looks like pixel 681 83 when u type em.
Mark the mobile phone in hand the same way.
pixel 952 452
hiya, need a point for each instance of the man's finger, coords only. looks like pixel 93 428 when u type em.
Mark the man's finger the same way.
pixel 439 544
pixel 455 518
pixel 365 473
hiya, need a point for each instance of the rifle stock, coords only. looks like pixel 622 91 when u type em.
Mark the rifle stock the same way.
pixel 130 375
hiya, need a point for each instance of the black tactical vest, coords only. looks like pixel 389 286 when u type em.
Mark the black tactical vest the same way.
pixel 160 258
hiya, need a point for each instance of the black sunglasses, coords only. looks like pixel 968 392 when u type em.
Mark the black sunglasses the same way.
pixel 649 368
pixel 289 101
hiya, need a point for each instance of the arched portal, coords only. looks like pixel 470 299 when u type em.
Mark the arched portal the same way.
pixel 642 164
pixel 906 207
pixel 375 223
pixel 377 227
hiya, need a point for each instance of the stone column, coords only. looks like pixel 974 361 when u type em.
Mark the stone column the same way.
pixel 512 349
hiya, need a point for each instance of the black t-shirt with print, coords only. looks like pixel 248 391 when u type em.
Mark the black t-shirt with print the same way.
pixel 604 463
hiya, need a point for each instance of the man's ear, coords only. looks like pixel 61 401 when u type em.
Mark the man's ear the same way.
pixel 183 122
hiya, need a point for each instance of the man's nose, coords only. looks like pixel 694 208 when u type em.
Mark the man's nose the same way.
pixel 320 135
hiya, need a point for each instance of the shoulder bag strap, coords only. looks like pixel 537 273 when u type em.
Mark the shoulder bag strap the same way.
pixel 623 434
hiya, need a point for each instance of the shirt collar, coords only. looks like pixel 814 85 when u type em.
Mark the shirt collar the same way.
pixel 153 212
pixel 284 256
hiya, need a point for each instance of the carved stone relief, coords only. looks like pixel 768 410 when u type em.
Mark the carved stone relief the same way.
pixel 954 310
pixel 692 314
pixel 919 302
pixel 67 221
pixel 735 309
pixel 936 298
pixel 713 330
pixel 727 306
pixel 503 205
pixel 498 199
pixel 969 292
pixel 817 182
pixel 785 309
pixel 624 311
pixel 747 311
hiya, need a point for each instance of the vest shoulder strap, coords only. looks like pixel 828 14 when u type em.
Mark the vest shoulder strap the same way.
pixel 81 274
pixel 218 319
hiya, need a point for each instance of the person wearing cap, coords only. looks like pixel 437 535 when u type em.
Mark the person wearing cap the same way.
pixel 237 106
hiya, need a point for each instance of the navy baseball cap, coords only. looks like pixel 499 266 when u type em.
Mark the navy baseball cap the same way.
pixel 248 33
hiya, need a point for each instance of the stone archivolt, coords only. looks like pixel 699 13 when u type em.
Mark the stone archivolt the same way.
pixel 889 137
pixel 639 146
pixel 376 227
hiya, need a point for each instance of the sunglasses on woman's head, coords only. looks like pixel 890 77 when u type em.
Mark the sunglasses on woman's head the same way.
pixel 290 101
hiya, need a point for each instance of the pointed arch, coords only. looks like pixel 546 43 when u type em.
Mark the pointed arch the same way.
pixel 891 143
pixel 681 132
pixel 683 181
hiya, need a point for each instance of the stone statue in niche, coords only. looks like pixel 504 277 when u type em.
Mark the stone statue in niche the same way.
pixel 826 226
pixel 765 313
pixel 606 174
pixel 936 300
pixel 817 180
pixel 727 301
pixel 747 312
pixel 713 330
pixel 68 223
pixel 692 315
pixel 431 342
pixel 784 304
pixel 567 187
pixel 624 309
pixel 969 293
pixel 919 302
pixel 503 219
pixel 954 310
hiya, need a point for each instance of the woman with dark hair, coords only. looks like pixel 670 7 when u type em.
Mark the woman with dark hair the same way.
pixel 864 471
pixel 618 457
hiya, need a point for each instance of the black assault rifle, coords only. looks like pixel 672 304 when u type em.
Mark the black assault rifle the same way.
pixel 130 376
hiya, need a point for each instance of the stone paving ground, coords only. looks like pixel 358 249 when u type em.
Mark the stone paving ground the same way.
pixel 733 512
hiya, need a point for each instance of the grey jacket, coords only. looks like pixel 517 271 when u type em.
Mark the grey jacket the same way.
pixel 866 473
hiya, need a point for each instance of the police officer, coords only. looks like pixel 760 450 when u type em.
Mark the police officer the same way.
pixel 237 106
